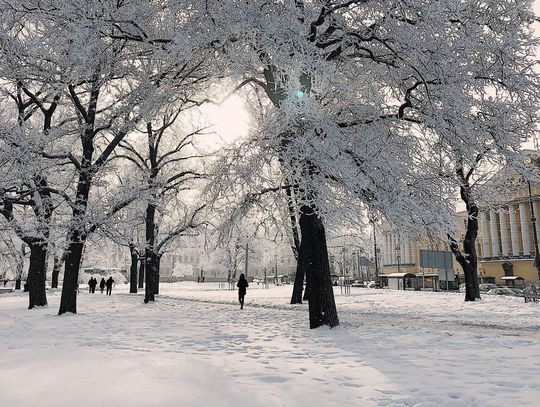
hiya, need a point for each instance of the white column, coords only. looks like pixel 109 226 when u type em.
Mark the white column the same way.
pixel 505 243
pixel 537 214
pixel 514 232
pixel 413 252
pixel 485 235
pixel 402 244
pixel 393 248
pixel 386 248
pixel 494 233
pixel 383 249
pixel 525 229
pixel 390 249
pixel 407 251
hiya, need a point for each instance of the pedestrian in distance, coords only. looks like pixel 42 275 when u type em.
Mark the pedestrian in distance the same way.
pixel 93 285
pixel 109 285
pixel 102 285
pixel 242 286
pixel 90 284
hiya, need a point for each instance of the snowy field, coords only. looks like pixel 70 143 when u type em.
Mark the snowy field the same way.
pixel 194 347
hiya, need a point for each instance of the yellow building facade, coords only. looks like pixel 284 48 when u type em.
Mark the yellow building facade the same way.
pixel 506 245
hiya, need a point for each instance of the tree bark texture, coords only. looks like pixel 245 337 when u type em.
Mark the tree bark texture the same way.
pixel 56 272
pixel 37 275
pixel 68 301
pixel 468 258
pixel 314 255
pixel 133 269
pixel 156 275
pixel 150 279
pixel 298 287
pixel 57 267
pixel 141 274
pixel 151 255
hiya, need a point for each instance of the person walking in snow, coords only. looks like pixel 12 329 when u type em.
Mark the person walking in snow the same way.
pixel 242 285
pixel 102 285
pixel 109 285
pixel 92 284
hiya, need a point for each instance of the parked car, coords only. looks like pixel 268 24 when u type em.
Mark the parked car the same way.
pixel 357 283
pixel 502 291
pixel 483 287
pixel 488 286
pixel 517 291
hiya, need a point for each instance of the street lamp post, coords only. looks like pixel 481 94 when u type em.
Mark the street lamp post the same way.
pixel 275 258
pixel 343 264
pixel 398 256
pixel 247 260
pixel 376 260
pixel 535 232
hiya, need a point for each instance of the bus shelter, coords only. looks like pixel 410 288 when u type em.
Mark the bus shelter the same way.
pixel 401 281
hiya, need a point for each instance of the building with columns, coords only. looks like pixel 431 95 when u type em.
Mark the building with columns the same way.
pixel 505 243
pixel 401 255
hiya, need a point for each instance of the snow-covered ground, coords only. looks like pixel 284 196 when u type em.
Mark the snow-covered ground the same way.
pixel 194 347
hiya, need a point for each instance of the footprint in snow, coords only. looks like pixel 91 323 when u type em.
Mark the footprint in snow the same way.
pixel 273 379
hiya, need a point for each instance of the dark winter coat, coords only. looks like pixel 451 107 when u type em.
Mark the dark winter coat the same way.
pixel 109 282
pixel 242 285
pixel 102 283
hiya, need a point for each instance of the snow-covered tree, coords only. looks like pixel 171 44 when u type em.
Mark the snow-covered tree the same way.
pixel 108 84
pixel 362 88
pixel 168 167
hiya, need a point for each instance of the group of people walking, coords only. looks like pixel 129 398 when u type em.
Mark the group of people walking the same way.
pixel 92 283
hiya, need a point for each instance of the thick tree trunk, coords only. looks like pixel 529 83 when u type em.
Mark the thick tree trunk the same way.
pixel 68 301
pixel 141 274
pixel 55 272
pixel 37 274
pixel 20 267
pixel 314 254
pixel 58 262
pixel 298 287
pixel 156 275
pixel 133 269
pixel 150 271
pixel 468 258
pixel 151 255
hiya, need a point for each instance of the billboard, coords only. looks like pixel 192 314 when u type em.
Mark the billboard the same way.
pixel 441 260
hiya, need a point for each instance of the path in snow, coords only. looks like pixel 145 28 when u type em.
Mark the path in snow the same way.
pixel 207 352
